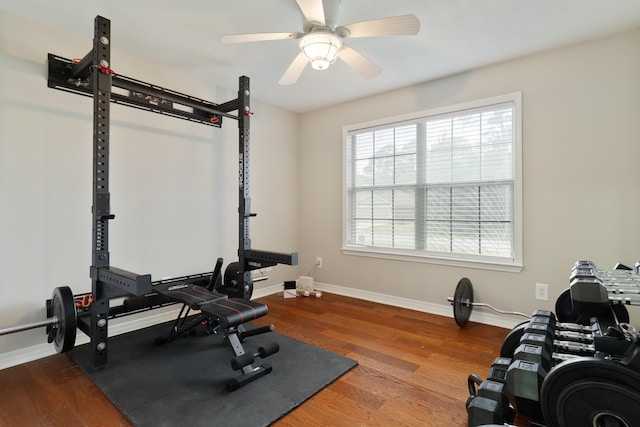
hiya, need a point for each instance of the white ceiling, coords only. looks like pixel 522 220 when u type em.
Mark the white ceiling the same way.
pixel 455 35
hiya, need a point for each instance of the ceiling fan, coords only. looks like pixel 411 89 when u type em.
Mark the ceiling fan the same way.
pixel 321 41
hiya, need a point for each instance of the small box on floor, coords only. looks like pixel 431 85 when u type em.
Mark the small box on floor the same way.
pixel 290 289
pixel 305 282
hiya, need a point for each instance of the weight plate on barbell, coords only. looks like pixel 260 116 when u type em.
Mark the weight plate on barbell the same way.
pixel 590 391
pixel 512 340
pixel 564 308
pixel 64 309
pixel 233 283
pixel 463 302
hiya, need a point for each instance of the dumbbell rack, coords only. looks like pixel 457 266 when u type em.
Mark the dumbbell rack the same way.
pixel 560 373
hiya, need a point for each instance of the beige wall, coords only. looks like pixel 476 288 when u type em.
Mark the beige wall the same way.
pixel 581 145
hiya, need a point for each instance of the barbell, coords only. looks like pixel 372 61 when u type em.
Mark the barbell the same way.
pixel 462 302
pixel 61 326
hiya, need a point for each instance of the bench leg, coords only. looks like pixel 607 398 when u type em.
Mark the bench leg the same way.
pixel 181 327
pixel 249 372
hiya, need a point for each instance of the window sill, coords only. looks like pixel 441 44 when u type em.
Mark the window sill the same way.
pixel 496 265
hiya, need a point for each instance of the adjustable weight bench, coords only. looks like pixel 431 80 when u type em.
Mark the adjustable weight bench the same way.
pixel 218 312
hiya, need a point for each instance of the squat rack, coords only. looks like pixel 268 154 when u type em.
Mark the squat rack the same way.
pixel 92 76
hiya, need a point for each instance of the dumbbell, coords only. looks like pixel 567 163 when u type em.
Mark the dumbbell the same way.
pixel 554 347
pixel 546 316
pixel 535 348
pixel 247 359
pixel 560 341
pixel 498 369
pixel 562 331
pixel 490 403
pixel 524 380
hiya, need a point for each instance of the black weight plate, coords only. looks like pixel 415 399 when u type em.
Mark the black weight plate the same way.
pixel 564 308
pixel 64 309
pixel 589 391
pixel 233 283
pixel 512 340
pixel 622 314
pixel 566 314
pixel 232 280
pixel 463 302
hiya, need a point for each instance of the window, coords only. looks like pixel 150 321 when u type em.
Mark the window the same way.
pixel 442 185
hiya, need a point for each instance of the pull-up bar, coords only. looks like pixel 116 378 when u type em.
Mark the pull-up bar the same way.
pixel 73 76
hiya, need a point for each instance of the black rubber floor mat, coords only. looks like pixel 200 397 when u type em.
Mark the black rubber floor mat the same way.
pixel 182 383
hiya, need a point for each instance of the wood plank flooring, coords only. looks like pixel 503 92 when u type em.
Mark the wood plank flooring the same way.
pixel 412 370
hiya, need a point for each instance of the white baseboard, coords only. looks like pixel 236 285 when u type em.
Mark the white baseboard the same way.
pixel 266 291
pixel 116 327
pixel 446 310
pixel 143 320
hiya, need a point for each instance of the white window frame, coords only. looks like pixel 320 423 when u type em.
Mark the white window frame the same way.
pixel 510 264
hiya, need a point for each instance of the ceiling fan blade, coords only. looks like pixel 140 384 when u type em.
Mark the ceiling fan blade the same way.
pixel 258 37
pixel 402 25
pixel 312 10
pixel 359 62
pixel 295 70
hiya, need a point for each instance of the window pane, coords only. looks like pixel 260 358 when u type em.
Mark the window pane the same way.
pixel 464 237
pixel 406 139
pixel 497 162
pixel 383 171
pixel 404 234
pixel 465 204
pixel 405 167
pixel 364 173
pixel 364 146
pixel 495 239
pixel 363 233
pixel 496 203
pixel 438 204
pixel 438 151
pixel 438 236
pixel 382 233
pixel 404 204
pixel 364 204
pixel 384 142
pixel 465 164
pixel 382 204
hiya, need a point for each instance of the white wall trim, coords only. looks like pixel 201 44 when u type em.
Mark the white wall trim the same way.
pixel 266 291
pixel 478 315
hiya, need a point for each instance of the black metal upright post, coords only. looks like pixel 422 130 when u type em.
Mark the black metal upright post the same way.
pixel 244 199
pixel 101 198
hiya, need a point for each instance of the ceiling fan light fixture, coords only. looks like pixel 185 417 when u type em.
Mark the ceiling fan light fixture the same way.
pixel 321 48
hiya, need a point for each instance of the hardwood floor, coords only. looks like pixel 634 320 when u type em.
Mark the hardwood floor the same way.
pixel 412 370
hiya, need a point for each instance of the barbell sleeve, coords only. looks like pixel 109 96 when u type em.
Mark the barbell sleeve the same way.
pixel 26 326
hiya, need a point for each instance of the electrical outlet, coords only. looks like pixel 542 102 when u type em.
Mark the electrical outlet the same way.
pixel 319 261
pixel 542 291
